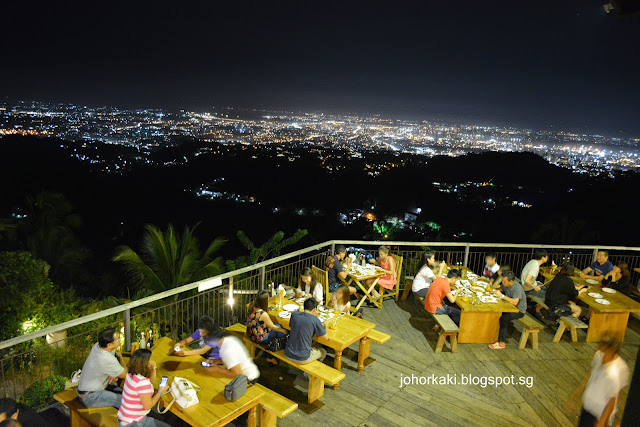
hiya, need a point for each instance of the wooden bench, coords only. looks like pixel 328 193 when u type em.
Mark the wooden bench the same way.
pixel 273 406
pixel 573 323
pixel 375 336
pixel 319 373
pixel 447 329
pixel 103 417
pixel 82 416
pixel 531 327
pixel 539 301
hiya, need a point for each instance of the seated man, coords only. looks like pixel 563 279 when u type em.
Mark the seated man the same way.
pixel 491 267
pixel 305 324
pixel 233 355
pixel 27 417
pixel 207 348
pixel 530 273
pixel 439 289
pixel 600 267
pixel 513 293
pixel 103 366
pixel 335 273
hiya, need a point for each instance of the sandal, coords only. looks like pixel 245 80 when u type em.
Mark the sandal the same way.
pixel 497 346
pixel 272 361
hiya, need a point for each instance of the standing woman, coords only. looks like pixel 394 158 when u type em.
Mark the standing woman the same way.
pixel 388 265
pixel 619 278
pixel 138 395
pixel 260 328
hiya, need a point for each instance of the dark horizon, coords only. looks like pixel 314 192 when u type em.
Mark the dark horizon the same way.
pixel 566 65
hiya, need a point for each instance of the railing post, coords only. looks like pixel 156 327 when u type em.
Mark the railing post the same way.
pixel 263 276
pixel 595 254
pixel 127 329
pixel 466 255
pixel 333 249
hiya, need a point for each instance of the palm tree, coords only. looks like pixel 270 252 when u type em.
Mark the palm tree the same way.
pixel 168 260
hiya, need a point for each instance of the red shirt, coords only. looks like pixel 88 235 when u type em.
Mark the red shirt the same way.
pixel 436 293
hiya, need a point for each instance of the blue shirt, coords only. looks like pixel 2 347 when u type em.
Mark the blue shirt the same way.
pixel 214 353
pixel 601 269
pixel 303 326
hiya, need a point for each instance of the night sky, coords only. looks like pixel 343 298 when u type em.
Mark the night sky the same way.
pixel 527 63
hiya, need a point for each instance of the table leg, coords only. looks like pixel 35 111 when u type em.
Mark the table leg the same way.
pixel 603 324
pixel 363 352
pixel 367 293
pixel 253 420
pixel 337 364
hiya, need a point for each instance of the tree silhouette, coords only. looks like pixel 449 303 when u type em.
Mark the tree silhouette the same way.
pixel 168 260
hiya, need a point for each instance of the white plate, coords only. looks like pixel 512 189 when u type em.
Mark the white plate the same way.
pixel 301 299
pixel 488 299
pixel 592 282
pixel 609 290
pixel 291 307
pixel 602 301
pixel 284 314
pixel 594 295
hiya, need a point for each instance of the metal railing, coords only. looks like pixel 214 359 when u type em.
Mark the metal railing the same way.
pixel 32 370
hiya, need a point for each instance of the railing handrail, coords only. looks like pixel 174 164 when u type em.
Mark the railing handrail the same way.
pixel 121 308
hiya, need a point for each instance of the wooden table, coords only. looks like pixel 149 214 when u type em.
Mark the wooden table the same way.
pixel 359 278
pixel 480 323
pixel 605 319
pixel 213 409
pixel 350 329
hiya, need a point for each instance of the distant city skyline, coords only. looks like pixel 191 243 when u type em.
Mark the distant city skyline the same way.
pixel 148 130
pixel 567 65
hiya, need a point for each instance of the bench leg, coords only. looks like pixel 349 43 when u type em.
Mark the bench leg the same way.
pixel 252 422
pixel 574 334
pixel 558 336
pixel 316 389
pixel 267 418
pixel 364 352
pixel 77 420
pixel 454 343
pixel 440 344
pixel 337 364
pixel 534 339
pixel 523 339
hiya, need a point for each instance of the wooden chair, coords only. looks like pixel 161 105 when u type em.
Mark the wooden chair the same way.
pixel 396 291
pixel 321 276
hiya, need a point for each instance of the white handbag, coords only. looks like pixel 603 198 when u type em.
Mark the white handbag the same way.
pixel 184 392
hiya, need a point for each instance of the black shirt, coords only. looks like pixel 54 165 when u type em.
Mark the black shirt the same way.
pixel 561 290
pixel 29 417
pixel 622 285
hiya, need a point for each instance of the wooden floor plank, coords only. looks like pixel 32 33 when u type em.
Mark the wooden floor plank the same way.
pixel 374 397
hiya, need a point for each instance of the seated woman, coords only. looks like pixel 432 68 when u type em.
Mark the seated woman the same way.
pixel 560 294
pixel 388 265
pixel 309 287
pixel 428 270
pixel 138 395
pixel 260 329
pixel 619 278
pixel 340 301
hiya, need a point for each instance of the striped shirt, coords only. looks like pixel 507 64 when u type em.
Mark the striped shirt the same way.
pixel 131 408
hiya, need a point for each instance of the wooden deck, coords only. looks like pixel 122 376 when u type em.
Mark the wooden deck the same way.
pixel 374 397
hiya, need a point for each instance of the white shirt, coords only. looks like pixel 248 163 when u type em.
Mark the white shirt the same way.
pixel 423 279
pixel 318 292
pixel 233 352
pixel 605 383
